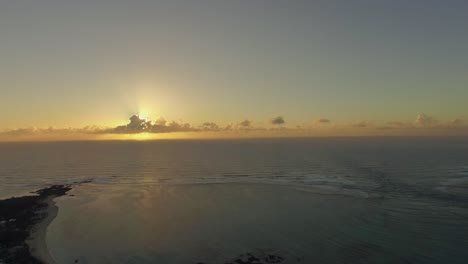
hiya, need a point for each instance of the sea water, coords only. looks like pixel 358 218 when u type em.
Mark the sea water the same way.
pixel 321 200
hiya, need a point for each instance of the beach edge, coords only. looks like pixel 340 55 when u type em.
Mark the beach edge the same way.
pixel 23 226
pixel 37 238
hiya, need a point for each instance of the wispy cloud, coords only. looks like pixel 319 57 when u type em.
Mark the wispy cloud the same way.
pixel 398 124
pixel 457 122
pixel 421 123
pixel 361 124
pixel 424 121
pixel 51 131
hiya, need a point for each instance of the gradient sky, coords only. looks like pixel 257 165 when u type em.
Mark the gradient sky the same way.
pixel 77 63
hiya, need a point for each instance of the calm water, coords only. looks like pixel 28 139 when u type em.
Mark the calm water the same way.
pixel 379 200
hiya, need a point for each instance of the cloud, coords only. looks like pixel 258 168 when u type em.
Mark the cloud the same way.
pixel 423 124
pixel 136 125
pixel 51 131
pixel 423 120
pixel 245 123
pixel 361 124
pixel 160 121
pixel 245 126
pixel 140 125
pixel 173 127
pixel 279 120
pixel 323 121
pixel 209 126
pixel 398 124
pixel 457 122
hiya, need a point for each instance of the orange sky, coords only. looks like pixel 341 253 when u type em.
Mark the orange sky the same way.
pixel 144 129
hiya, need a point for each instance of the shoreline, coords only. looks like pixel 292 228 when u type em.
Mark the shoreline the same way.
pixel 23 226
pixel 37 238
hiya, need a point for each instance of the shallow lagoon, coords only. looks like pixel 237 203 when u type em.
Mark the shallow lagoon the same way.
pixel 332 200
pixel 216 223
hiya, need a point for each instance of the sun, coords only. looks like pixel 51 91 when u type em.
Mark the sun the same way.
pixel 144 113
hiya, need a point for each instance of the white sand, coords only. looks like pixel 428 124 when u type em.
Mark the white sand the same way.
pixel 37 239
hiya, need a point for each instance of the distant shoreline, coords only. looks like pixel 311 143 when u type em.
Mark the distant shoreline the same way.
pixel 23 225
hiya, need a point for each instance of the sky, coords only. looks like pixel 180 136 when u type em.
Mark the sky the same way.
pixel 85 67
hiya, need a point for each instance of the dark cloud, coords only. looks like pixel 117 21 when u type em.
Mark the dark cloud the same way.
pixel 279 120
pixel 140 125
pixel 209 126
pixel 323 121
pixel 173 127
pixel 160 121
pixel 136 125
pixel 245 123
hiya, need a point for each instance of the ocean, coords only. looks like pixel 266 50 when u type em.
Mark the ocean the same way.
pixel 314 200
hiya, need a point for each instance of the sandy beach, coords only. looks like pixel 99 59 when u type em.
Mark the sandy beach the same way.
pixel 23 226
pixel 37 239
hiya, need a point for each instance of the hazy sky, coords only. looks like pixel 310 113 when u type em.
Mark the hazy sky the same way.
pixel 88 62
